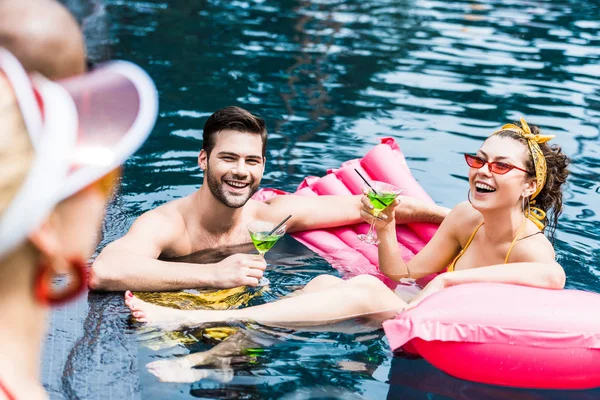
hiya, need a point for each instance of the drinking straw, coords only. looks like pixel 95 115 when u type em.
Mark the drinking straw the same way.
pixel 366 181
pixel 281 223
pixel 369 185
pixel 277 227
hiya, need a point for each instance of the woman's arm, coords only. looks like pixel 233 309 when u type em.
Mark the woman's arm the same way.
pixel 534 265
pixel 391 263
pixel 536 274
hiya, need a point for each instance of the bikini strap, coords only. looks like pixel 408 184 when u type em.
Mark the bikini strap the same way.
pixel 451 267
pixel 519 231
pixel 472 237
pixel 7 393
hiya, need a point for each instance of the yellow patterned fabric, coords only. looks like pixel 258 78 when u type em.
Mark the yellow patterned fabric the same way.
pixel 193 300
pixel 210 299
pixel 536 215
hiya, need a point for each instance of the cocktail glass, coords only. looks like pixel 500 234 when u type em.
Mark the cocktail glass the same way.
pixel 383 195
pixel 263 240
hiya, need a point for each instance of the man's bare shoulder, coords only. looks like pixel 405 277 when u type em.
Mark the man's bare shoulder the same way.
pixel 257 209
pixel 169 210
pixel 160 229
pixel 168 217
pixel 174 208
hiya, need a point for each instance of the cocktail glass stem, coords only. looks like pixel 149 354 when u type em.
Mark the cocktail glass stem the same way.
pixel 263 281
pixel 370 235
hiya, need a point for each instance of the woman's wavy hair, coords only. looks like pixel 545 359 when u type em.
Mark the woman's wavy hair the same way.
pixel 550 199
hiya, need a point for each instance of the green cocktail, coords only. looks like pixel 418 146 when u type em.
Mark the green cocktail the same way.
pixel 263 242
pixel 381 195
pixel 380 201
pixel 264 239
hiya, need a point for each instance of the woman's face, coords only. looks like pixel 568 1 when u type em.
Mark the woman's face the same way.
pixel 78 219
pixel 490 191
pixel 65 241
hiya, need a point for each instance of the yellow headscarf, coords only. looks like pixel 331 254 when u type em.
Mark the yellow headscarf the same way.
pixel 536 215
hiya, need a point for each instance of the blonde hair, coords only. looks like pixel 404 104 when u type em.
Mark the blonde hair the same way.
pixel 16 150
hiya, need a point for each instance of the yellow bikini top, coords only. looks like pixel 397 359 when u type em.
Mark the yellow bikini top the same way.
pixel 453 264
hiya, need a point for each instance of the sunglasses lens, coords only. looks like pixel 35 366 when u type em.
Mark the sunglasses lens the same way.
pixel 108 182
pixel 474 162
pixel 500 168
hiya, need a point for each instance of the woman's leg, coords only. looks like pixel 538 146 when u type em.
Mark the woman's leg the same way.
pixel 363 296
pixel 318 283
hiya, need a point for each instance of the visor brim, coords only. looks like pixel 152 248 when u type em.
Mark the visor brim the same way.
pixel 116 106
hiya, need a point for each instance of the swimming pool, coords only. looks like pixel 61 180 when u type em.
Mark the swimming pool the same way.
pixel 330 77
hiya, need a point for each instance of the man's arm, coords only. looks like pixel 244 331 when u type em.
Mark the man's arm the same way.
pixel 131 262
pixel 413 210
pixel 316 212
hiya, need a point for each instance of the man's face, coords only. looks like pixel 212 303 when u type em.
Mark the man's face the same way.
pixel 235 167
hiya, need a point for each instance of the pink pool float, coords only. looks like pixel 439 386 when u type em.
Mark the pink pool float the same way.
pixel 506 335
pixel 341 246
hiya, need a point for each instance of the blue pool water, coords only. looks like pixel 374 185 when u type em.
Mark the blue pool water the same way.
pixel 331 77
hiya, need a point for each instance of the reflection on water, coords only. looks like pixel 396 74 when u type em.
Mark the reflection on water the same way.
pixel 330 77
pixel 409 379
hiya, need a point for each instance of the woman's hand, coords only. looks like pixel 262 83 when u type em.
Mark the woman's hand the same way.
pixel 385 218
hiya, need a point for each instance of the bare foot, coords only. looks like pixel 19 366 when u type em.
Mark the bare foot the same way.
pixel 180 370
pixel 158 316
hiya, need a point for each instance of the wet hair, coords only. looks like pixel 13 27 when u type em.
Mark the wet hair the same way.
pixel 236 119
pixel 550 199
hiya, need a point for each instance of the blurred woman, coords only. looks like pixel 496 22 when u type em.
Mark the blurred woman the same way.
pixel 61 145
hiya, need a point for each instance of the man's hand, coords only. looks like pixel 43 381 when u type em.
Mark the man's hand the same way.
pixel 239 270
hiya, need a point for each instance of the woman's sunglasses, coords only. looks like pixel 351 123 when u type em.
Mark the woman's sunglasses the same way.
pixel 107 184
pixel 496 167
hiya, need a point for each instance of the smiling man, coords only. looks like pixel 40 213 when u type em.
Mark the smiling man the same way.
pixel 216 215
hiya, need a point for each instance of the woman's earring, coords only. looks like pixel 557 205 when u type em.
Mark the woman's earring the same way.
pixel 526 206
pixel 43 283
pixel 469 196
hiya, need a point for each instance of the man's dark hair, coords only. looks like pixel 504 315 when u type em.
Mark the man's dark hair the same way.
pixel 236 119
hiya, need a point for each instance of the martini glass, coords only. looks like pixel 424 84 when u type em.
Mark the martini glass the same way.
pixel 264 239
pixel 380 195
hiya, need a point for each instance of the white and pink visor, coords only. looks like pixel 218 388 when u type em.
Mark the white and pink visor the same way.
pixel 81 129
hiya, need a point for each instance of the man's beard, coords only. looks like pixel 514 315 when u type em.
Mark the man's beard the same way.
pixel 228 199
